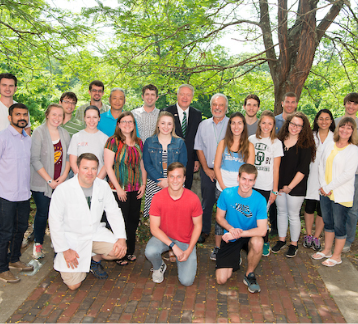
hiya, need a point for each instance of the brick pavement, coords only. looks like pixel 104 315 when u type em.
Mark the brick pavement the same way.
pixel 291 291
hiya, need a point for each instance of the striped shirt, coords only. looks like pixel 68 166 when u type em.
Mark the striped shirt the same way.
pixel 126 164
pixel 73 126
pixel 146 122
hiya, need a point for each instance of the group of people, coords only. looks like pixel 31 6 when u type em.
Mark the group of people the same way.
pixel 112 158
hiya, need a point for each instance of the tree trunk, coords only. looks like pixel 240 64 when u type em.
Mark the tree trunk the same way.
pixel 297 45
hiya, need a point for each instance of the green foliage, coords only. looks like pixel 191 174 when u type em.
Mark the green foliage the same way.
pixel 166 43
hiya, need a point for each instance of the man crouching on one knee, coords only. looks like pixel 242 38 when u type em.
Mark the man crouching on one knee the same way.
pixel 175 222
pixel 75 216
pixel 241 211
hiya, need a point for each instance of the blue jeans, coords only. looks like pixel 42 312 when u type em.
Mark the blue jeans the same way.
pixel 186 269
pixel 334 217
pixel 208 188
pixel 353 215
pixel 14 217
pixel 42 207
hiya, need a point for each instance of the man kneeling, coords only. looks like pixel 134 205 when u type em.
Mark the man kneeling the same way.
pixel 75 215
pixel 241 211
pixel 175 222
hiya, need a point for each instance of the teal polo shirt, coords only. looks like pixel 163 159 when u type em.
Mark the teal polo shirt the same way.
pixel 108 123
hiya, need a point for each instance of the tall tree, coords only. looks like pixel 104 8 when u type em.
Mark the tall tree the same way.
pixel 177 39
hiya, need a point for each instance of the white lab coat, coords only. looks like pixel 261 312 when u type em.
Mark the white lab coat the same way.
pixel 74 226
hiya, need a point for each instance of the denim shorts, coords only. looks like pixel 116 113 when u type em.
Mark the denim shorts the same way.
pixel 334 217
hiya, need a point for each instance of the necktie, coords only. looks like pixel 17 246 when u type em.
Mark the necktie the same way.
pixel 184 124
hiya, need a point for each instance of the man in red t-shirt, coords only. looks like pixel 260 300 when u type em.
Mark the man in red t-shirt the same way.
pixel 175 222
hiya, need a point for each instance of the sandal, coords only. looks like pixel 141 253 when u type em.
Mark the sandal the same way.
pixel 131 257
pixel 172 257
pixel 331 262
pixel 320 255
pixel 122 262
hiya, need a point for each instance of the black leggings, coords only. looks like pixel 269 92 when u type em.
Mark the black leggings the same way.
pixel 131 212
pixel 266 194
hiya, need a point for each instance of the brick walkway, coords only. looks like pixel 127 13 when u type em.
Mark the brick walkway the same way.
pixel 291 291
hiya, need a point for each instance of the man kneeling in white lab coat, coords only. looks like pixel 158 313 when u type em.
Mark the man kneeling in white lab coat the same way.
pixel 75 215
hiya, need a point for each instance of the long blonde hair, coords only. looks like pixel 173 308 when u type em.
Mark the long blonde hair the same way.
pixel 163 114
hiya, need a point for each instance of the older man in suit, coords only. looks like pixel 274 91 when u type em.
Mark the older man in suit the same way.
pixel 187 120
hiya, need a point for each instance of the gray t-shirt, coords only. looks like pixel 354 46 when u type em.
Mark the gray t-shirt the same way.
pixel 251 129
pixel 83 142
pixel 88 194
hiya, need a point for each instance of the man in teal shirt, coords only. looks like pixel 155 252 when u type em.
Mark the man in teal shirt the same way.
pixel 108 121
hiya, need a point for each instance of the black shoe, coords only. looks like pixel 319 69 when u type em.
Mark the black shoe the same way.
pixel 251 283
pixel 202 237
pixel 31 237
pixel 97 270
pixel 292 251
pixel 278 246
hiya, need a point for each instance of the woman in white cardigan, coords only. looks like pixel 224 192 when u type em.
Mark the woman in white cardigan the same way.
pixel 337 168
pixel 323 128
pixel 49 168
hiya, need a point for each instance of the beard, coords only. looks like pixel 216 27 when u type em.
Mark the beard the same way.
pixel 22 125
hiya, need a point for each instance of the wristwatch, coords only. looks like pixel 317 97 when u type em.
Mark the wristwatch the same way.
pixel 171 244
pixel 49 181
pixel 274 192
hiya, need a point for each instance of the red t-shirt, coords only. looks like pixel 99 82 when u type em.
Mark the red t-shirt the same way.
pixel 176 215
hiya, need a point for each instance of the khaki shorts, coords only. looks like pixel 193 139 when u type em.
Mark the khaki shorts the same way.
pixel 74 278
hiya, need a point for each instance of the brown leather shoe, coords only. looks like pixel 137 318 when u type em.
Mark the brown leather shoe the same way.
pixel 7 276
pixel 19 265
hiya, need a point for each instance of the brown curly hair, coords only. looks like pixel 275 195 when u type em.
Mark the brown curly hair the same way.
pixel 305 137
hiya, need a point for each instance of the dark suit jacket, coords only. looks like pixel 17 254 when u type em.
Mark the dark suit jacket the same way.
pixel 194 120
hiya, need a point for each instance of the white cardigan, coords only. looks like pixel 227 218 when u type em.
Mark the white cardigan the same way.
pixel 312 182
pixel 344 167
pixel 74 226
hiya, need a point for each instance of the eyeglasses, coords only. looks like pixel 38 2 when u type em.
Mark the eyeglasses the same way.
pixel 129 122
pixel 295 125
pixel 69 102
pixel 96 91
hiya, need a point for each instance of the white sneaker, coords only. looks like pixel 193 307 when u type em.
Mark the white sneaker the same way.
pixel 158 275
pixel 37 251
